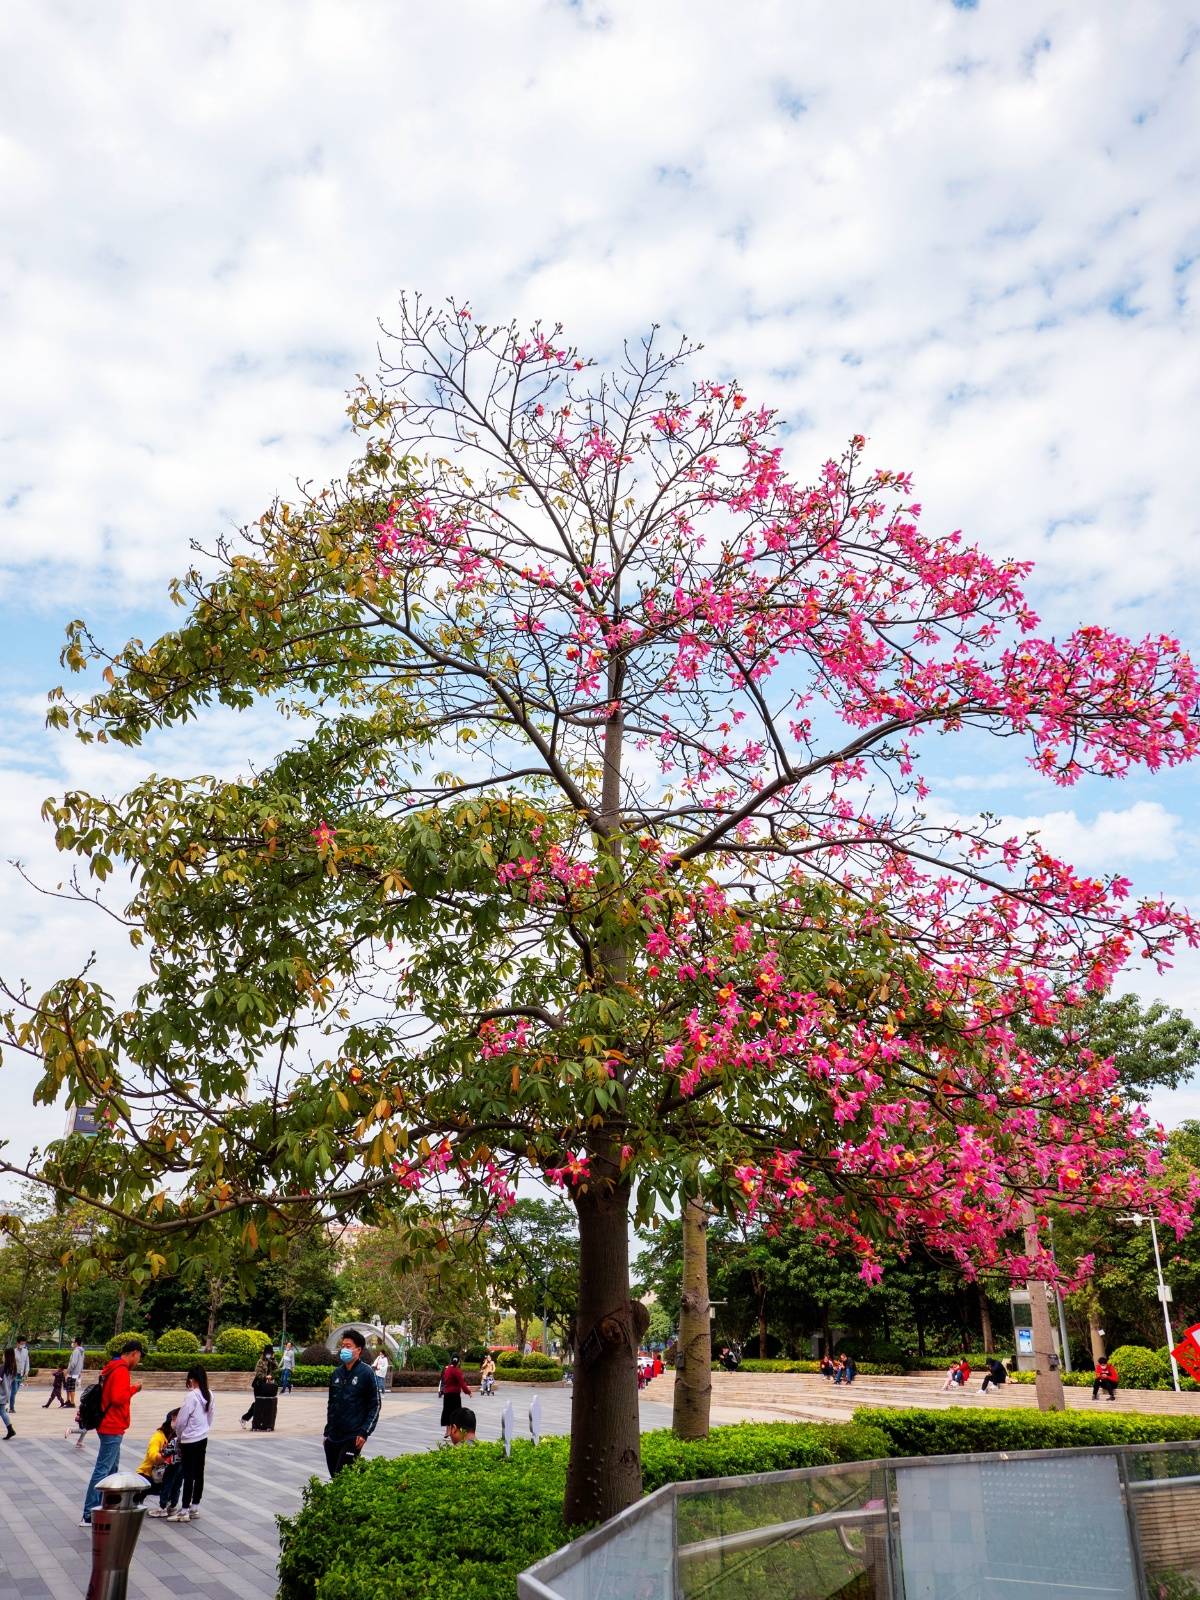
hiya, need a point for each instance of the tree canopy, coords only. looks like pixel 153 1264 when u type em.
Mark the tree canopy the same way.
pixel 597 846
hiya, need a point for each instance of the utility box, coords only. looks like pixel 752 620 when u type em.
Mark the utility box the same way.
pixel 1021 1308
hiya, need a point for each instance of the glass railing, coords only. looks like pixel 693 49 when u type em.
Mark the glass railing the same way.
pixel 1102 1524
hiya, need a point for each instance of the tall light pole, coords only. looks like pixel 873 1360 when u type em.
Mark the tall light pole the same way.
pixel 1063 1340
pixel 1164 1294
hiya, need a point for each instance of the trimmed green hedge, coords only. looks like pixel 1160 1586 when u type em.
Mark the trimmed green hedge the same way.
pixel 397 1527
pixel 460 1524
pixel 113 1347
pixel 958 1432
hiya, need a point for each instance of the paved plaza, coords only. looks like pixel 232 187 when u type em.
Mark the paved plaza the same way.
pixel 230 1554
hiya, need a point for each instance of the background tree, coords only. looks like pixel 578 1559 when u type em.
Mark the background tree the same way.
pixel 533 1264
pixel 602 778
pixel 397 1275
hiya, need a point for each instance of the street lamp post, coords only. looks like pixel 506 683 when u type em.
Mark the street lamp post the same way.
pixel 1164 1294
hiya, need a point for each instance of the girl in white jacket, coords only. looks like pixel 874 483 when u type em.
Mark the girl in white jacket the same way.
pixel 192 1427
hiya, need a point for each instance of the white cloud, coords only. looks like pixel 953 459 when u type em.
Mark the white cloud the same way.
pixel 970 234
pixel 1142 832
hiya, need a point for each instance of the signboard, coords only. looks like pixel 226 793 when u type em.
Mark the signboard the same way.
pixel 1024 1341
pixel 82 1119
pixel 1187 1352
pixel 507 1424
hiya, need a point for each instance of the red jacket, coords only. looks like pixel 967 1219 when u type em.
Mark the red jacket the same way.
pixel 454 1381
pixel 115 1394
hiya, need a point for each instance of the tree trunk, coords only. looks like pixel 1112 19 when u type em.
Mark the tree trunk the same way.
pixel 604 1474
pixel 1048 1379
pixel 762 1331
pixel 214 1305
pixel 693 1369
pixel 119 1319
pixel 1096 1334
pixel 985 1323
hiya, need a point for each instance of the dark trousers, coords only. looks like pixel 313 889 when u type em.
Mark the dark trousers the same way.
pixel 192 1460
pixel 340 1453
pixel 168 1489
pixel 1107 1385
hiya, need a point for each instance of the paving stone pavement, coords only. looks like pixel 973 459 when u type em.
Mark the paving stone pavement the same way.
pixel 231 1552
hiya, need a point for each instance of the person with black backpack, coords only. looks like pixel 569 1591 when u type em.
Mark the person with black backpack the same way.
pixel 105 1407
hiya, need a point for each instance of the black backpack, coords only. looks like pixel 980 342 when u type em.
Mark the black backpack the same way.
pixel 92 1407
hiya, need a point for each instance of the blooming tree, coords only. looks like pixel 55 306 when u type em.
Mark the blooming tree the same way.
pixel 600 849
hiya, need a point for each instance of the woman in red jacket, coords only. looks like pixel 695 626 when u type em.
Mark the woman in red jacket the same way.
pixel 452 1388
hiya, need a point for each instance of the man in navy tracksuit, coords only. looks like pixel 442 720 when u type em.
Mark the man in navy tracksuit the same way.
pixel 353 1405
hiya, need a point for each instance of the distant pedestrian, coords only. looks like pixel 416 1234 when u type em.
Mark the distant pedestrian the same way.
pixel 1107 1378
pixel 996 1374
pixel 162 1466
pixel 380 1366
pixel 287 1366
pixel 487 1375
pixel 262 1384
pixel 75 1367
pixel 193 1425
pixel 57 1385
pixel 452 1388
pixel 116 1392
pixel 827 1365
pixel 8 1371
pixel 354 1403
pixel 21 1357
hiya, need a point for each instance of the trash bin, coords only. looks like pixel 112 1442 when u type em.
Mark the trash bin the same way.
pixel 116 1523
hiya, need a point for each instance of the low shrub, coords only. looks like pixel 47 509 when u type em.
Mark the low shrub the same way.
pixel 957 1432
pixel 474 1353
pixel 180 1362
pixel 380 1530
pixel 114 1345
pixel 93 1359
pixel 314 1355
pixel 179 1341
pixel 883 1353
pixel 241 1342
pixel 314 1377
pixel 426 1357
pixel 1141 1368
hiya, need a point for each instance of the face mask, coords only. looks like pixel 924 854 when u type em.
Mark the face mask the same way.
pixel 346 1355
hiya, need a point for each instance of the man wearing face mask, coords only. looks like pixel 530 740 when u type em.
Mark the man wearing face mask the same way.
pixel 353 1404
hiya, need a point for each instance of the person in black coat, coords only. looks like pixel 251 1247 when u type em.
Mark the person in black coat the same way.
pixel 354 1404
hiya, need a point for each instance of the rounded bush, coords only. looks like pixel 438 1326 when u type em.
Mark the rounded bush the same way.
pixel 178 1341
pixel 474 1353
pixel 314 1355
pixel 1140 1368
pixel 118 1340
pixel 243 1342
pixel 426 1358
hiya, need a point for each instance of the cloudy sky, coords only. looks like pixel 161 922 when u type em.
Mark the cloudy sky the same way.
pixel 967 228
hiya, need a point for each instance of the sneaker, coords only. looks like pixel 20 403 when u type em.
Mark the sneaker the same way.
pixel 245 1425
pixel 179 1516
pixel 159 1511
pixel 85 1522
pixel 195 1512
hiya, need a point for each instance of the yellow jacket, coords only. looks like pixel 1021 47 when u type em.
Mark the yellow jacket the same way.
pixel 153 1450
